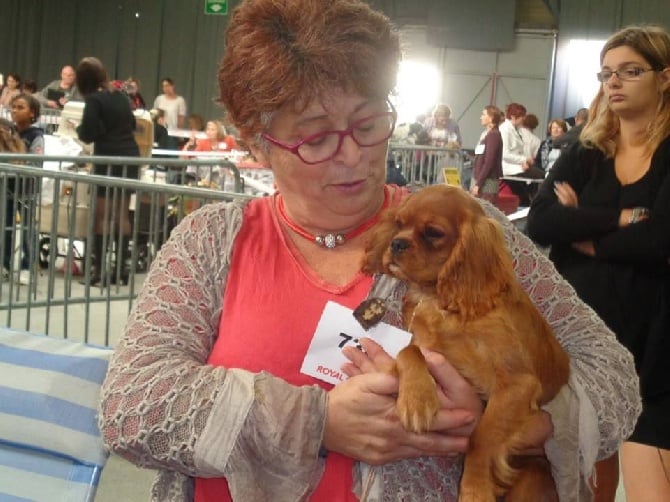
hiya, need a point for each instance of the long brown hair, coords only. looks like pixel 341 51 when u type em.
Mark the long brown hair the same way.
pixel 601 131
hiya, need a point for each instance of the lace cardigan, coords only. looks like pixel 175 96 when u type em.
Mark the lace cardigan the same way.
pixel 163 407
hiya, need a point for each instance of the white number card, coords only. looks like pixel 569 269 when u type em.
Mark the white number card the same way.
pixel 338 328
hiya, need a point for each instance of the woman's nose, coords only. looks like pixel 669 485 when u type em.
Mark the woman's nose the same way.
pixel 349 153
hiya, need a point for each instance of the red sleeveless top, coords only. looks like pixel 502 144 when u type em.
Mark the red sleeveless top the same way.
pixel 271 306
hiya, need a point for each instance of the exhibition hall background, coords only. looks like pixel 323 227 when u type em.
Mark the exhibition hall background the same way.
pixel 151 39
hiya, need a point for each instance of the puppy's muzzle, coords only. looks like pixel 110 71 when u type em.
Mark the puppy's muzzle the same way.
pixel 399 245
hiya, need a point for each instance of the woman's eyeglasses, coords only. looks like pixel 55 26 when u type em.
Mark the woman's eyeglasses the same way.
pixel 626 73
pixel 323 146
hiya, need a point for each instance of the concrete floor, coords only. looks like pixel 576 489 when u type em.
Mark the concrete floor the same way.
pixel 120 480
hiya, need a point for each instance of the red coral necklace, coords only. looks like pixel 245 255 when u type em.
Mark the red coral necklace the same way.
pixel 330 240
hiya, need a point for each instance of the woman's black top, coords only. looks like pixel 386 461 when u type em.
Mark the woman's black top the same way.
pixel 109 123
pixel 628 281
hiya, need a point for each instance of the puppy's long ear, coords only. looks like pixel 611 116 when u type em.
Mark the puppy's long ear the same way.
pixel 380 240
pixel 477 271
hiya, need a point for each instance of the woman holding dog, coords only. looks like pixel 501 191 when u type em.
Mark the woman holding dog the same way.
pixel 605 211
pixel 207 383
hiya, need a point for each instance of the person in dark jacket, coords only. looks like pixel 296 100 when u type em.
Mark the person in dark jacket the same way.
pixel 488 157
pixel 107 122
pixel 605 210
pixel 572 136
pixel 21 197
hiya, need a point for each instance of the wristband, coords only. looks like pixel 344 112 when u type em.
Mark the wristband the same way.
pixel 637 214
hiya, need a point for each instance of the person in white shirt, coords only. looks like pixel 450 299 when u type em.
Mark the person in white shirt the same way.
pixel 515 162
pixel 173 105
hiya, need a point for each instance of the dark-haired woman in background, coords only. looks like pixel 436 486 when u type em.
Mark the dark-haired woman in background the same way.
pixel 488 157
pixel 547 154
pixel 108 123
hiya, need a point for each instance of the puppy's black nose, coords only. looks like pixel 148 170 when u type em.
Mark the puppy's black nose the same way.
pixel 399 245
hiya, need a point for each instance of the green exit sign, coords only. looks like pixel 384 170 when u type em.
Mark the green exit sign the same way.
pixel 216 6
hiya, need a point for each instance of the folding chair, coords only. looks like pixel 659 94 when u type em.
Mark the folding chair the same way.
pixel 50 445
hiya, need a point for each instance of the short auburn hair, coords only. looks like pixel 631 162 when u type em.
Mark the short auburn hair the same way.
pixel 291 52
pixel 515 110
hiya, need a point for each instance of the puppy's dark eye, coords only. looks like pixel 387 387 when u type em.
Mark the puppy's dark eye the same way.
pixel 432 233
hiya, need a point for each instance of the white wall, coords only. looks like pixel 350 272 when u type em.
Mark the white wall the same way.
pixel 473 79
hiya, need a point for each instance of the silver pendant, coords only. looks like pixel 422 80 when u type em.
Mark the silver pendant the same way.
pixel 329 241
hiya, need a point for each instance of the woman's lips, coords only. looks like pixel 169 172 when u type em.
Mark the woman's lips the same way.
pixel 350 185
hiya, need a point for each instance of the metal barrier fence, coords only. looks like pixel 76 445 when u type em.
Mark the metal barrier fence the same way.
pixel 428 165
pixel 51 217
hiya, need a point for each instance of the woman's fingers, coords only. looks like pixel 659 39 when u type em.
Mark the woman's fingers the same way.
pixel 372 358
pixel 565 194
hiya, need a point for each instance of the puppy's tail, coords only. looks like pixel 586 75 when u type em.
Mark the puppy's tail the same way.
pixel 504 472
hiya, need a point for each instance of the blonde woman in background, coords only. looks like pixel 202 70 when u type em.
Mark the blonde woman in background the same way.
pixel 442 129
pixel 605 211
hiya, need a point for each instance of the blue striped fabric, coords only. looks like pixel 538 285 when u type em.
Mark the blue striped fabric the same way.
pixel 50 445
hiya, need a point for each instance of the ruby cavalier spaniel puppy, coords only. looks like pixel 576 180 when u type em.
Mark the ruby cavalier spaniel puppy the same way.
pixel 464 301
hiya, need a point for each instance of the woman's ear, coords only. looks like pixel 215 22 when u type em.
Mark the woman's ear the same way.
pixel 664 76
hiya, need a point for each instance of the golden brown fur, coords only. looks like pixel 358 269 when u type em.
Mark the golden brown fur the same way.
pixel 464 301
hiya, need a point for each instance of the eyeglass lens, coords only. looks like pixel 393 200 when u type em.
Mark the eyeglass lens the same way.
pixel 625 73
pixel 367 132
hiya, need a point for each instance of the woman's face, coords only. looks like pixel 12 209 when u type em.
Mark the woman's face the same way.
pixel 555 130
pixel 11 82
pixel 485 119
pixel 337 193
pixel 630 98
pixel 212 131
pixel 21 113
pixel 168 88
pixel 441 119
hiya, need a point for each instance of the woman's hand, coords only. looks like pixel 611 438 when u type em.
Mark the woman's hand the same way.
pixel 585 247
pixel 632 215
pixel 568 198
pixel 565 194
pixel 362 421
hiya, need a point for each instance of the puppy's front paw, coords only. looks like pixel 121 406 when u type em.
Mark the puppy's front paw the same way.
pixel 417 405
